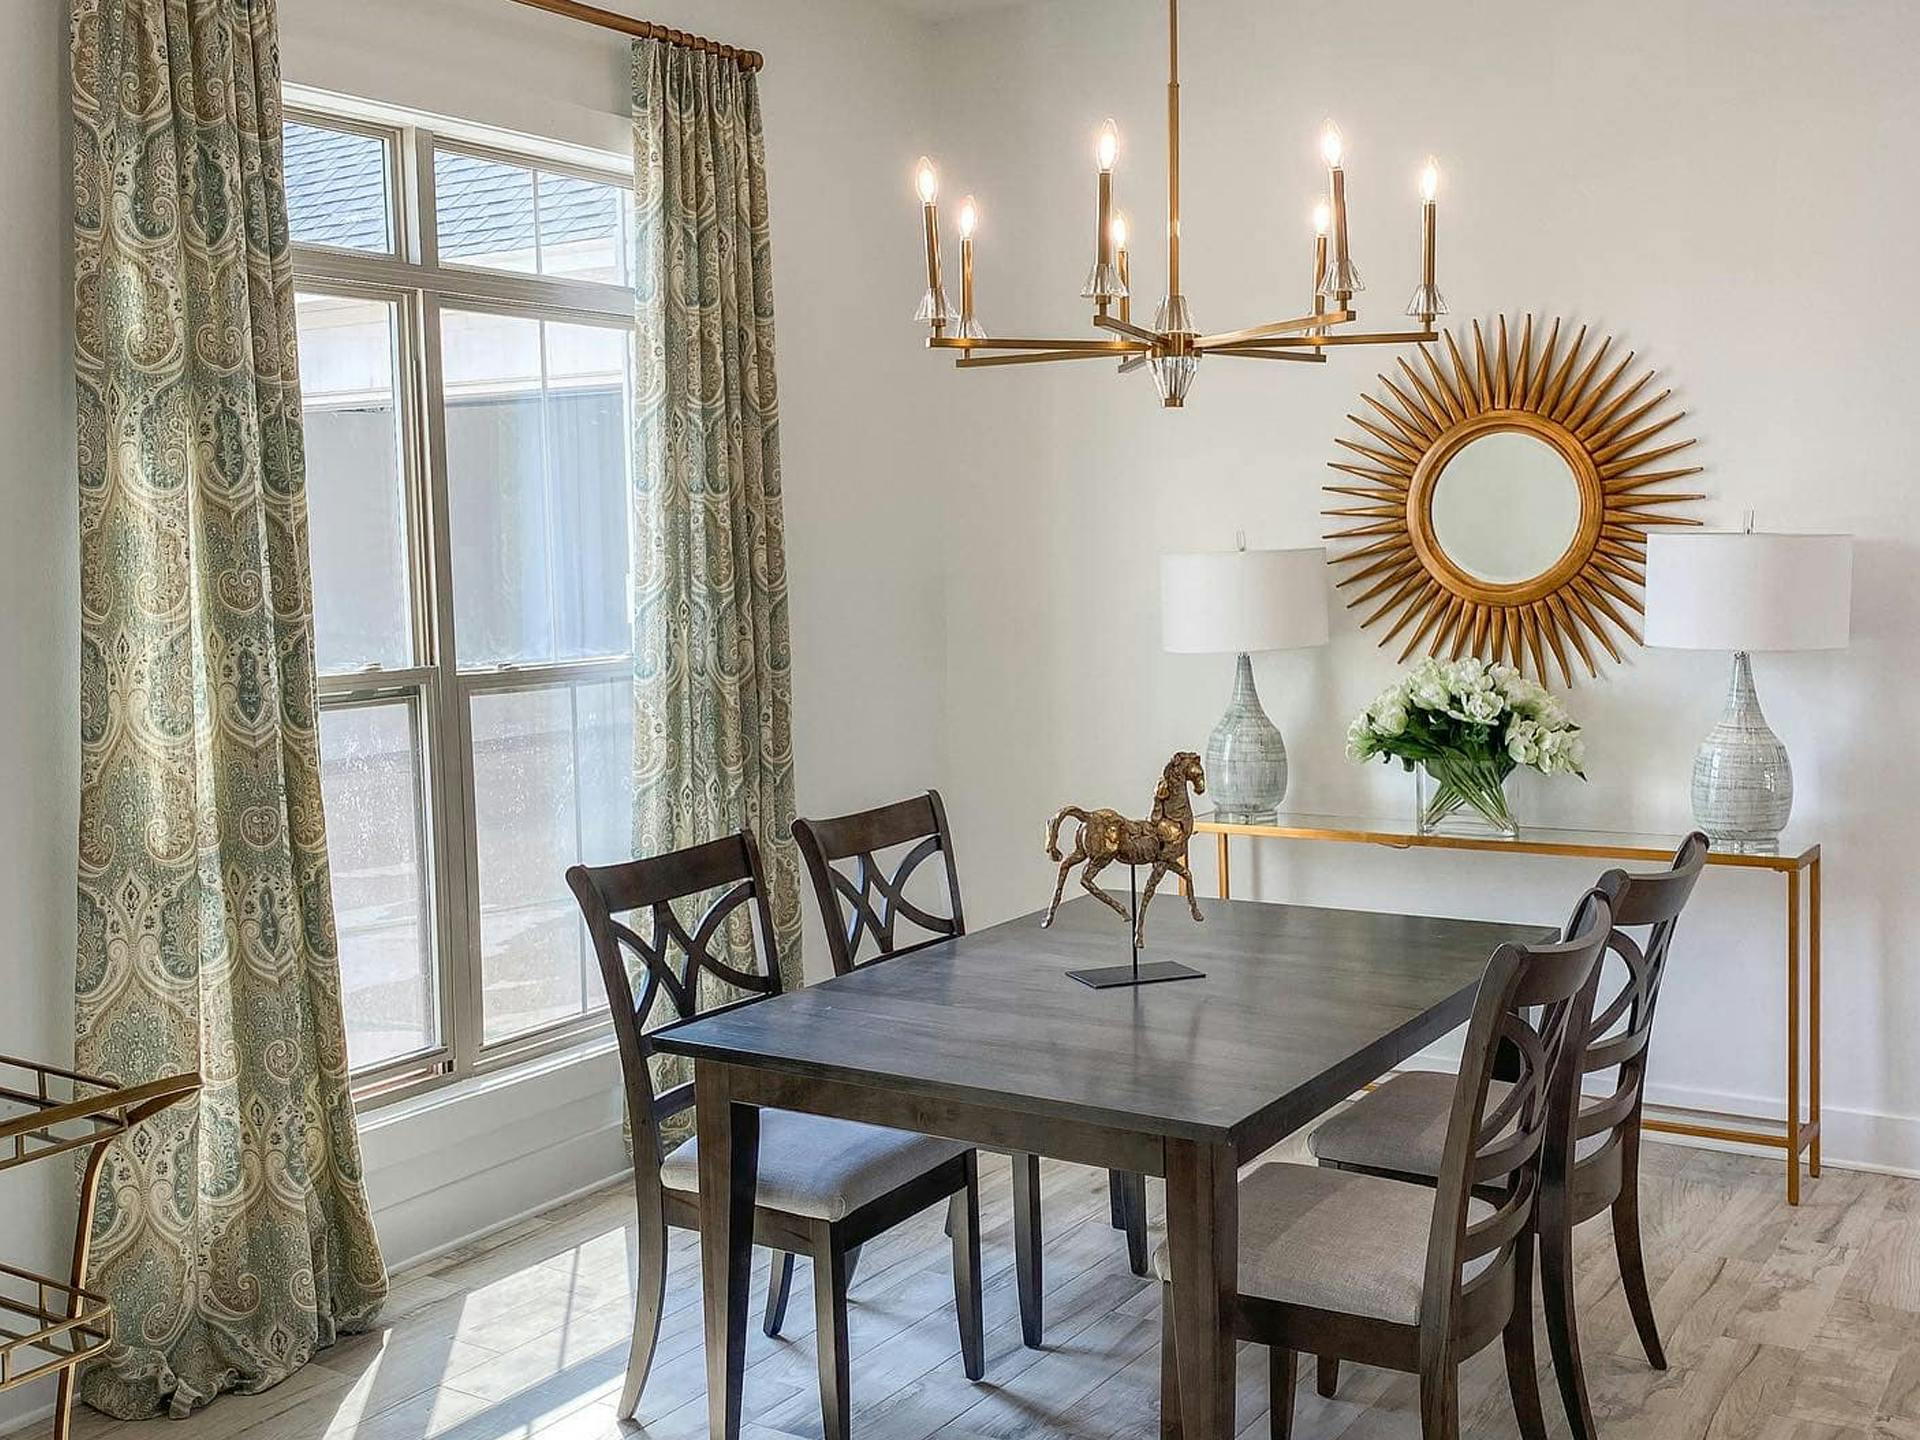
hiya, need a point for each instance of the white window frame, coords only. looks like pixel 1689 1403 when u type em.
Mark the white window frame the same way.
pixel 442 691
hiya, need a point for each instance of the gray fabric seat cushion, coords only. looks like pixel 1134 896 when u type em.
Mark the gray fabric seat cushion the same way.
pixel 1334 1240
pixel 820 1167
pixel 1402 1126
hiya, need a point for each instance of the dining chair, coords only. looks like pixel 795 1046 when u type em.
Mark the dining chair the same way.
pixel 1399 1130
pixel 1419 1278
pixel 863 914
pixel 825 1185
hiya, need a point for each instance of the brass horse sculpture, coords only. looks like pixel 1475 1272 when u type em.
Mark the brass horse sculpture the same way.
pixel 1159 841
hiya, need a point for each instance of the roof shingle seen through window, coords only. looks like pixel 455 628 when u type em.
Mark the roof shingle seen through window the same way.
pixel 336 188
pixel 338 195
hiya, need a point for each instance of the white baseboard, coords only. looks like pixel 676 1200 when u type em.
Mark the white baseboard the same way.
pixel 399 1267
pixel 14 1414
pixel 1849 1140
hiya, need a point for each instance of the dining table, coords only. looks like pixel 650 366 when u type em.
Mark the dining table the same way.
pixel 985 1038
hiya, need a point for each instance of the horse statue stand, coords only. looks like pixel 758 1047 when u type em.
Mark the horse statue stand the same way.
pixel 1160 842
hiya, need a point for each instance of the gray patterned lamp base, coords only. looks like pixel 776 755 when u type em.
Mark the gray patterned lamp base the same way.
pixel 1742 781
pixel 1246 761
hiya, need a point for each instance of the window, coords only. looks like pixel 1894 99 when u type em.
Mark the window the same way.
pixel 466 357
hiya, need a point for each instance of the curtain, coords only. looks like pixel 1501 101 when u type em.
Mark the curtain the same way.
pixel 233 1237
pixel 712 662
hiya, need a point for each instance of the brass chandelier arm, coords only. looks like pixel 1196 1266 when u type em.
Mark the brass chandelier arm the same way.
pixel 1311 357
pixel 1040 357
pixel 1385 337
pixel 1122 327
pixel 1272 330
pixel 1091 347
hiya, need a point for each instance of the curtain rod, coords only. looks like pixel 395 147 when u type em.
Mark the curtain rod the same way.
pixel 646 30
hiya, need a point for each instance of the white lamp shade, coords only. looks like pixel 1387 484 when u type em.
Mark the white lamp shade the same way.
pixel 1729 590
pixel 1225 602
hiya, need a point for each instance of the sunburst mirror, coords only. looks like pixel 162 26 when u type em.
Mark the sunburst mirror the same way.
pixel 1504 501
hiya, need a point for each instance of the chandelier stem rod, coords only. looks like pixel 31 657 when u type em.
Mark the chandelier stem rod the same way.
pixel 1173 147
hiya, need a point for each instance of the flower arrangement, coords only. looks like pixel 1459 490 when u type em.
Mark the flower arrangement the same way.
pixel 1467 725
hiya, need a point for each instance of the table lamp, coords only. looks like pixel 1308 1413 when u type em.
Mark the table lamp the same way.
pixel 1237 602
pixel 1741 591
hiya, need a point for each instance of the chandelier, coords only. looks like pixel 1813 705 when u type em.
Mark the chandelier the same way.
pixel 1172 347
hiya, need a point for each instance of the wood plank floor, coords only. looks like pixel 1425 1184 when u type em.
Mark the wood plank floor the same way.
pixel 1781 1325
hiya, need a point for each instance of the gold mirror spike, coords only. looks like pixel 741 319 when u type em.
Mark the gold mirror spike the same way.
pixel 1508 377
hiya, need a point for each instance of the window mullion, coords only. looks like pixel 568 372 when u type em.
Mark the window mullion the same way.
pixel 423 214
pixel 452 761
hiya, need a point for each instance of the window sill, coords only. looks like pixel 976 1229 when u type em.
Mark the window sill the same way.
pixel 456 1093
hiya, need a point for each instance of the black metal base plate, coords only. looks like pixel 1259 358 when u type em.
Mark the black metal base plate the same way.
pixel 1154 972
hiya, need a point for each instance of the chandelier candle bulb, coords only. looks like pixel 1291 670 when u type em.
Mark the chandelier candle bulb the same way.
pixel 933 310
pixel 1342 280
pixel 1103 282
pixel 1427 303
pixel 970 328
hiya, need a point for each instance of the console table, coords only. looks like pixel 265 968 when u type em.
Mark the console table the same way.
pixel 1798 863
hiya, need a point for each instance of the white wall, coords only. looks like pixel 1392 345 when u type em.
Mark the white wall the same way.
pixel 1729 189
pixel 39 592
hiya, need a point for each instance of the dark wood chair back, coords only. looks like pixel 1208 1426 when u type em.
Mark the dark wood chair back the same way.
pixel 673 960
pixel 869 904
pixel 1621 1030
pixel 1534 1003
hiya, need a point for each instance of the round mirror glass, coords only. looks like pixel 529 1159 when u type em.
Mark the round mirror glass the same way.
pixel 1506 507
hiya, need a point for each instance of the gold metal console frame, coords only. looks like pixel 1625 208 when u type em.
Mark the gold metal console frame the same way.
pixel 48 1326
pixel 1799 1134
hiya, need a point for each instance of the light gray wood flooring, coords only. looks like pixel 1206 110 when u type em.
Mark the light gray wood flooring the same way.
pixel 1781 1325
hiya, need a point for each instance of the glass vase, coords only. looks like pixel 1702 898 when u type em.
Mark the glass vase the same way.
pixel 1458 796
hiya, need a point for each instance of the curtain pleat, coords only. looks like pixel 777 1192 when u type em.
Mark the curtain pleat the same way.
pixel 712 658
pixel 232 1236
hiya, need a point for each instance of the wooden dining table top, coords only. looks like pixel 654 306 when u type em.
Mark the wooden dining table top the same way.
pixel 1299 1007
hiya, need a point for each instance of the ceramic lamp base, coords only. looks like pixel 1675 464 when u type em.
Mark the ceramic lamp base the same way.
pixel 1246 760
pixel 1742 780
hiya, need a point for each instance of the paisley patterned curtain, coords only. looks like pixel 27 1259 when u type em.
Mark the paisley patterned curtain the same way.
pixel 233 1237
pixel 712 664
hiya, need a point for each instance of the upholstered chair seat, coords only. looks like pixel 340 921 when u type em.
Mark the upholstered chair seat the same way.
pixel 1399 1131
pixel 1402 1126
pixel 1412 1277
pixel 820 1167
pixel 1329 1240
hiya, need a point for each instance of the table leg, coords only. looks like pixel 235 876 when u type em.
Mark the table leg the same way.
pixel 1813 1013
pixel 1225 866
pixel 1203 1238
pixel 82 1259
pixel 729 1174
pixel 1793 1037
